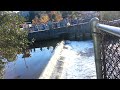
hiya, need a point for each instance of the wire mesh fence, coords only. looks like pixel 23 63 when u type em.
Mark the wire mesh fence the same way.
pixel 107 51
pixel 110 55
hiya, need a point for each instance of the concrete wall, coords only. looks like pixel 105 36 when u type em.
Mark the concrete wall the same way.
pixel 75 32
pixel 47 72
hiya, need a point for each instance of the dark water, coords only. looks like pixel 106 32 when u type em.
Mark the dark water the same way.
pixel 30 66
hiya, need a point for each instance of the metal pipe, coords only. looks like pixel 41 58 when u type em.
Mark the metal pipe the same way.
pixel 96 39
pixel 110 29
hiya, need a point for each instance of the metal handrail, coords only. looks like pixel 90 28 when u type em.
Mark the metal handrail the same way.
pixel 110 29
pixel 107 28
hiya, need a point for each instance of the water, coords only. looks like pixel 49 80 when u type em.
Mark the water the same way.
pixel 31 65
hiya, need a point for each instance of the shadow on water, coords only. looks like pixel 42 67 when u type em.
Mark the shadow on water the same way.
pixel 30 63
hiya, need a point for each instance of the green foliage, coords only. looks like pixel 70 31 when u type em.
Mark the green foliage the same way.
pixel 12 39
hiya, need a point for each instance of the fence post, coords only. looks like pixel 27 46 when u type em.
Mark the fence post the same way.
pixel 96 39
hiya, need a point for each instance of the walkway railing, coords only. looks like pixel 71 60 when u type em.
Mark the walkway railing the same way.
pixel 107 50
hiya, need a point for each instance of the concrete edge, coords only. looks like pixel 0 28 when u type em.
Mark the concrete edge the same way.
pixel 46 74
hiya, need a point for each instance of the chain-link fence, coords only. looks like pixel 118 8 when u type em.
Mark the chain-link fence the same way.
pixel 110 55
pixel 107 50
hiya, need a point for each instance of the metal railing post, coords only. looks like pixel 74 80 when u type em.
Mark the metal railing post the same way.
pixel 96 39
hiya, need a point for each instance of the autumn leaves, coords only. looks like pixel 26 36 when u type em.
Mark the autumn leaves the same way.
pixel 44 18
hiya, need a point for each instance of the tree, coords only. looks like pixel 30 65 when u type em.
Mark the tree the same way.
pixel 12 39
pixel 65 14
pixel 35 20
pixel 58 17
pixel 44 18
pixel 31 16
pixel 109 15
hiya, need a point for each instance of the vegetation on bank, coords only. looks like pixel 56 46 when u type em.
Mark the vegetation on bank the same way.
pixel 109 15
pixel 12 39
pixel 37 17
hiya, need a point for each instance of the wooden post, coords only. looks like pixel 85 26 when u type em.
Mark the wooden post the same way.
pixel 96 39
